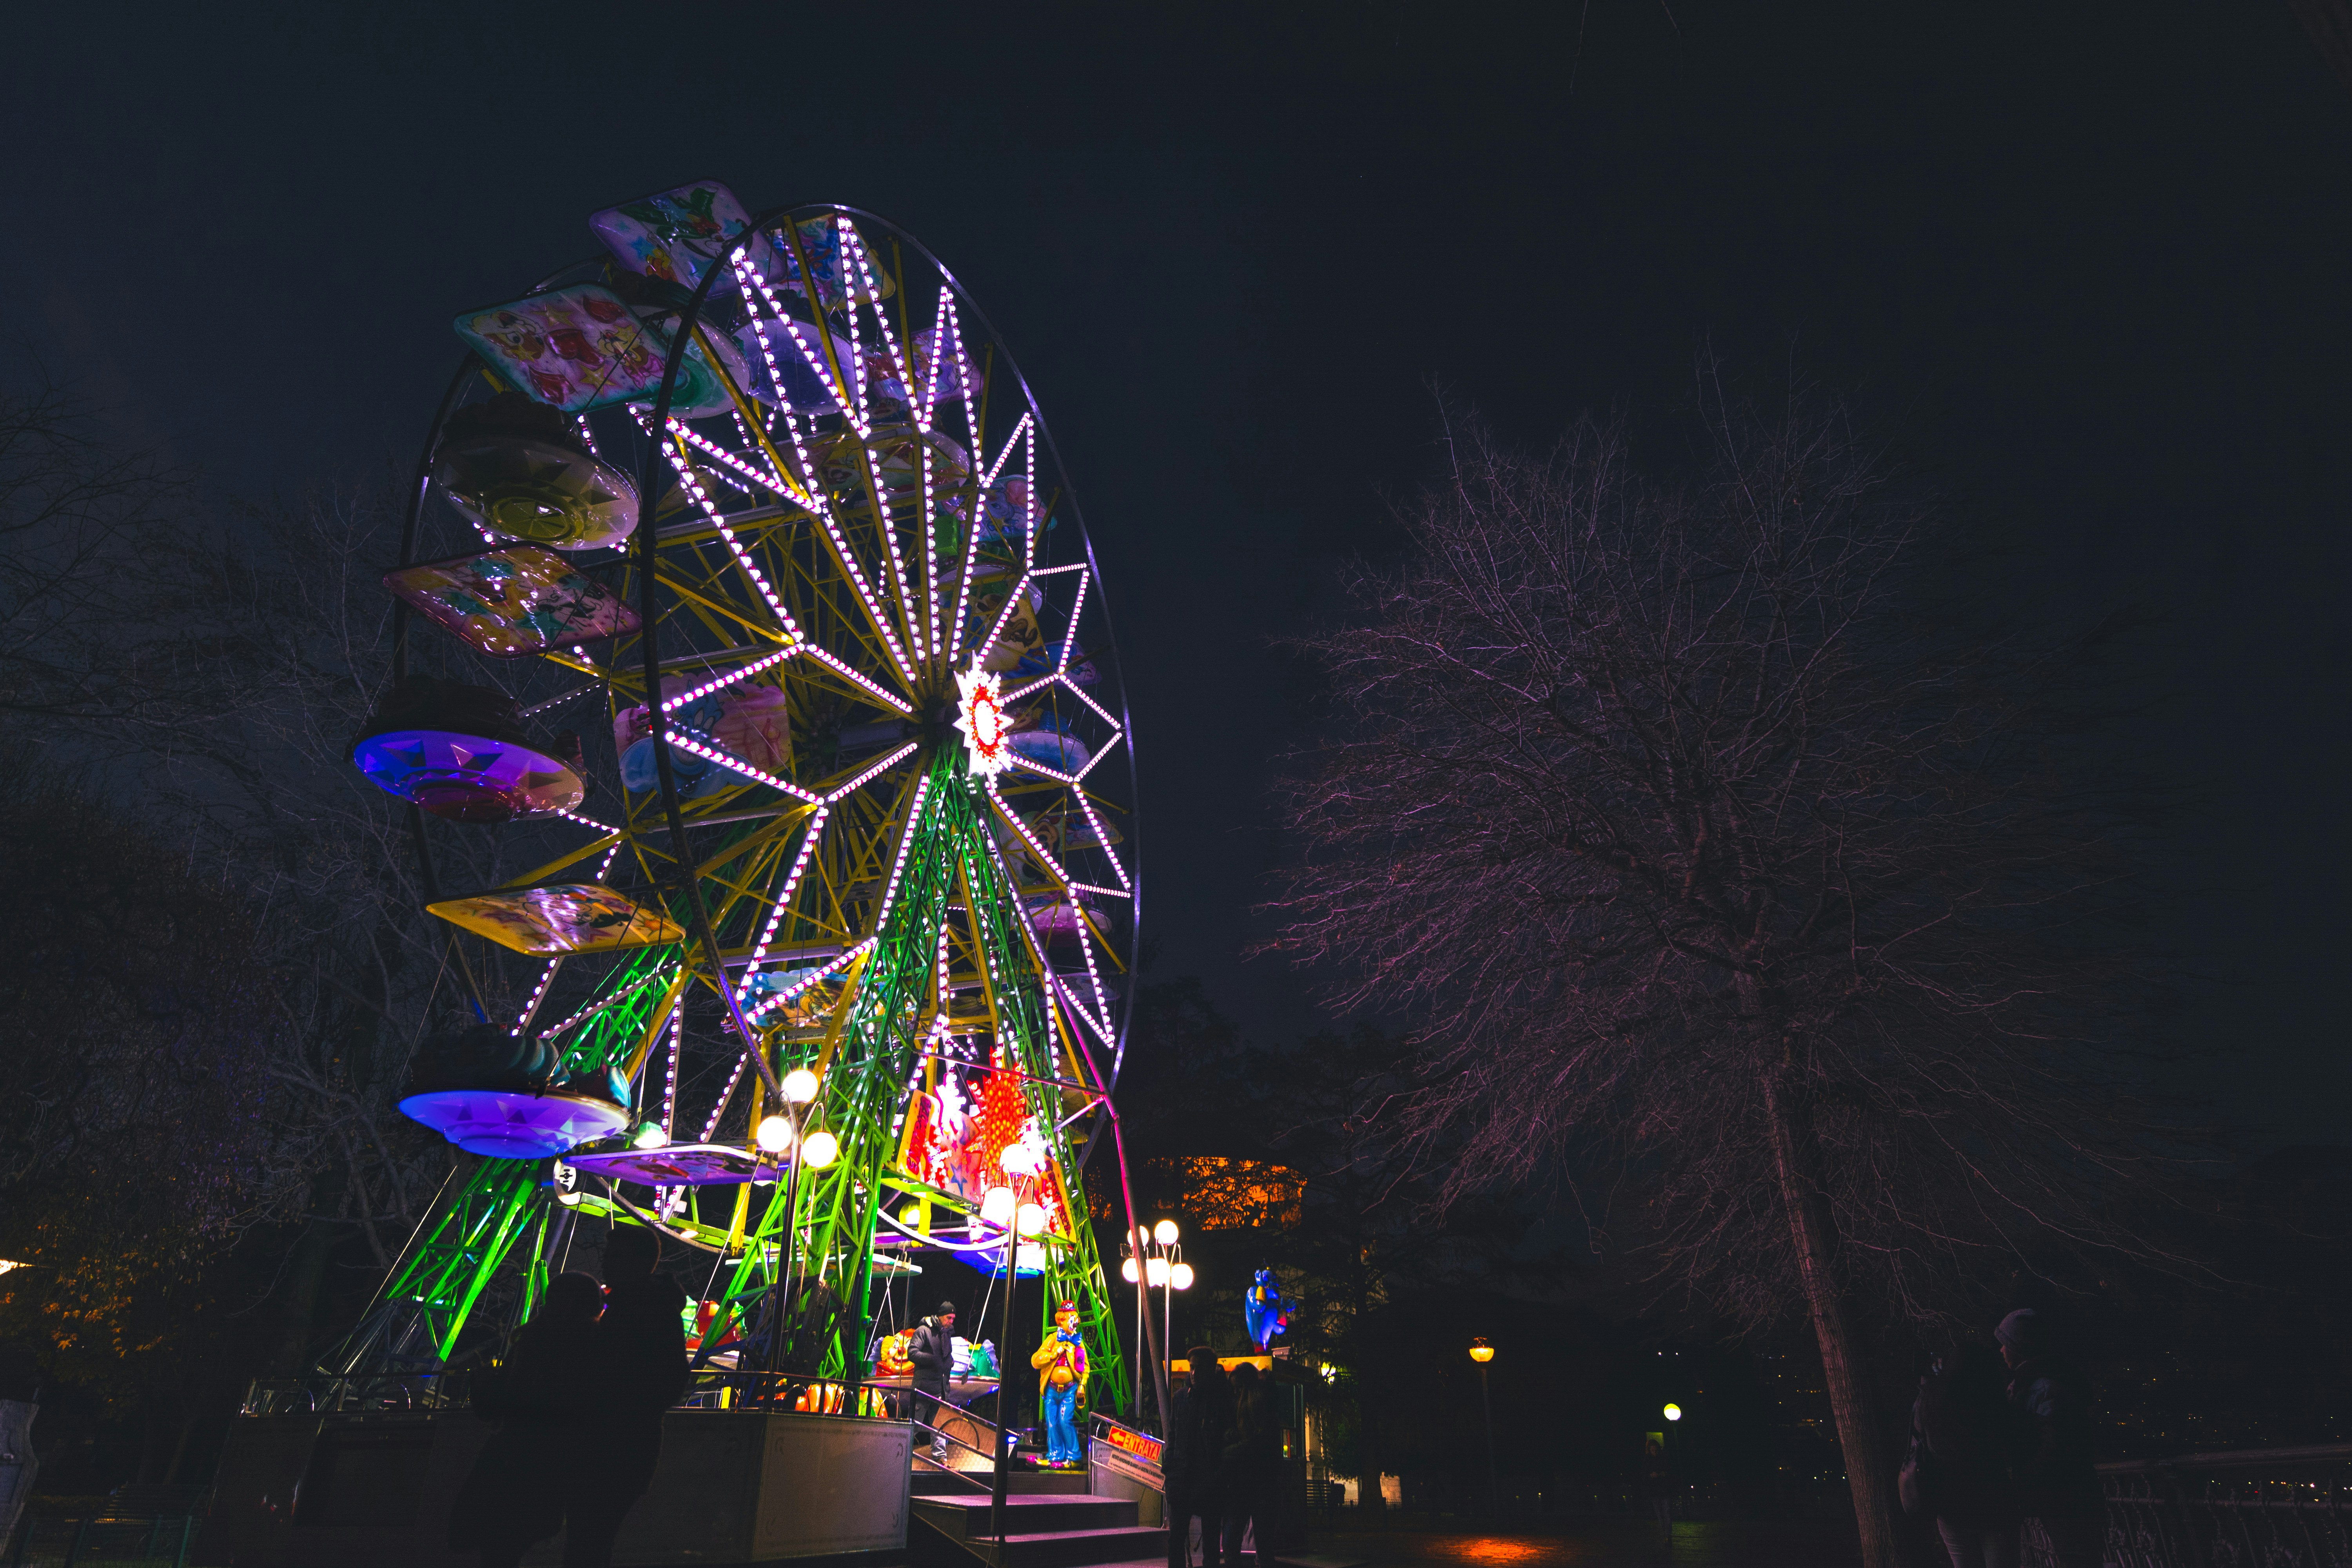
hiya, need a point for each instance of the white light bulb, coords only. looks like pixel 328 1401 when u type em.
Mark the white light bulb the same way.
pixel 1181 1277
pixel 1155 1270
pixel 1165 1233
pixel 775 1134
pixel 800 1086
pixel 1127 1270
pixel 997 1205
pixel 1030 1220
pixel 819 1150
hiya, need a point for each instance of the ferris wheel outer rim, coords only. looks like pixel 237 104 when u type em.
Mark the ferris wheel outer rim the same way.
pixel 644 549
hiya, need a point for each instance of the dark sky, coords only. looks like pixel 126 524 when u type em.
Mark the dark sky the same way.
pixel 2091 259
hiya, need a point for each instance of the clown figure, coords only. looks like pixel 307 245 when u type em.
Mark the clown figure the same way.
pixel 1061 1363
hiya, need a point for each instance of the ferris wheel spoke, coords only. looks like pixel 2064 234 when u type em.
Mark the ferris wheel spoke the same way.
pixel 812 835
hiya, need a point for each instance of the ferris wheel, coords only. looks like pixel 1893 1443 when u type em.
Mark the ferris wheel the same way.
pixel 835 936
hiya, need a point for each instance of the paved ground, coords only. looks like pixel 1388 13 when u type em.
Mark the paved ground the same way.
pixel 1613 1546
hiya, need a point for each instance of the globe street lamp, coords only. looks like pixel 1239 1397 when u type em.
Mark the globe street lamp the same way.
pixel 1482 1352
pixel 1154 1260
pixel 786 1133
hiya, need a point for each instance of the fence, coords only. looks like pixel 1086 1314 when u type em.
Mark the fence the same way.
pixel 713 1389
pixel 2267 1507
pixel 161 1543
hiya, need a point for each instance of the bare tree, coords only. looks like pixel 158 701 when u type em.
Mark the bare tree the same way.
pixel 1704 851
pixel 77 514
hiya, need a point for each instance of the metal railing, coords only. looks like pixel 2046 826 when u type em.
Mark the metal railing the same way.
pixel 158 1541
pixel 712 1388
pixel 324 1393
pixel 2265 1508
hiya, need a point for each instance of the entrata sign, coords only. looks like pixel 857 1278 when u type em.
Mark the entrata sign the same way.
pixel 1143 1446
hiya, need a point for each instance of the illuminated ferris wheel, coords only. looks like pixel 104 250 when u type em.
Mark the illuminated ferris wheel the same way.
pixel 841 942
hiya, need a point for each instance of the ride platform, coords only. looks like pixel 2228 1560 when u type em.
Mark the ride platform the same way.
pixel 734 1489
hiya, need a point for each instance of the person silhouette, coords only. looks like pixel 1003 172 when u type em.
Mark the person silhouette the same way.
pixel 514 1496
pixel 640 1348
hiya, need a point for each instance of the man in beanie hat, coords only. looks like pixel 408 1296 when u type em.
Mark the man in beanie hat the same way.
pixel 933 1353
pixel 1061 1363
pixel 2055 1482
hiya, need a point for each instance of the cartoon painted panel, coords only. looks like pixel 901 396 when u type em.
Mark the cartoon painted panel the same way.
pixel 975 1131
pixel 569 918
pixel 675 234
pixel 511 602
pixel 749 719
pixel 574 349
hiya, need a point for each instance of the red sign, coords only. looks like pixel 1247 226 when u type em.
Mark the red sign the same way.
pixel 1141 1446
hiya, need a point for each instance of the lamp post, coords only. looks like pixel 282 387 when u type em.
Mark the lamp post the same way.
pixel 1482 1352
pixel 785 1133
pixel 1155 1258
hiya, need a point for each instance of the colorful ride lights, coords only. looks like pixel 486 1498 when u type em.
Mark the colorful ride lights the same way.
pixel 1481 1352
pixel 1673 1413
pixel 650 1136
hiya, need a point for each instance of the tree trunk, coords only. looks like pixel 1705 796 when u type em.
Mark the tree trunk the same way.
pixel 1795 1157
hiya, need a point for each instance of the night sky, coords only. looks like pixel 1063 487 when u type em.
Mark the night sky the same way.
pixel 2088 262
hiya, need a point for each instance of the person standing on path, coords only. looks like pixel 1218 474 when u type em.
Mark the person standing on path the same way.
pixel 1200 1425
pixel 1962 1431
pixel 537 1397
pixel 641 1354
pixel 1252 1463
pixel 932 1350
pixel 2051 1462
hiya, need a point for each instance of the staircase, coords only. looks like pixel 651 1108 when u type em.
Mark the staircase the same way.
pixel 1051 1521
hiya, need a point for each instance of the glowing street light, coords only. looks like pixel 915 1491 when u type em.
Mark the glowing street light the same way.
pixel 1153 1260
pixel 819 1149
pixel 1674 1412
pixel 1482 1352
pixel 775 1133
pixel 799 1086
pixel 1029 1219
